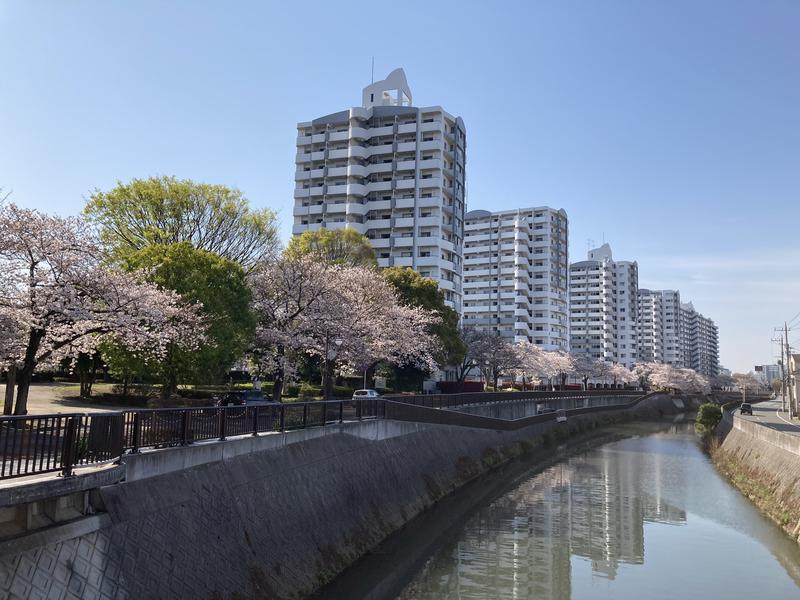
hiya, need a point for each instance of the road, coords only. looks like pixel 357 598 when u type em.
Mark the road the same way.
pixel 769 414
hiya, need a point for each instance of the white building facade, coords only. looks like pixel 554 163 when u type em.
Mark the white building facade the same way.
pixel 700 341
pixel 658 329
pixel 390 171
pixel 516 275
pixel 603 298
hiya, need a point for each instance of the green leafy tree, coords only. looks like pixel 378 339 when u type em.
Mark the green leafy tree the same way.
pixel 166 210
pixel 219 286
pixel 423 292
pixel 708 417
pixel 334 246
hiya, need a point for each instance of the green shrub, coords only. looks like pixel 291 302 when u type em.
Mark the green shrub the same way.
pixel 292 390
pixel 708 417
pixel 308 391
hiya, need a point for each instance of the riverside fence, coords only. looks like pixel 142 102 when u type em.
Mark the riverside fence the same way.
pixel 49 443
pixel 60 443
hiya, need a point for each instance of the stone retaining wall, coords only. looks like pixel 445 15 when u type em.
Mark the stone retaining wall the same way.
pixel 764 464
pixel 278 522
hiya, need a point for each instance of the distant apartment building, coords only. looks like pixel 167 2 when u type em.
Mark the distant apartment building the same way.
pixel 767 373
pixel 516 275
pixel 393 172
pixel 700 341
pixel 603 307
pixel 659 327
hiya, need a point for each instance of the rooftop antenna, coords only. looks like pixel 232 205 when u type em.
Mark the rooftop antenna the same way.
pixel 372 75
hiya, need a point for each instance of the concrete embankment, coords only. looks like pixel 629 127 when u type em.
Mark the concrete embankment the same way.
pixel 764 464
pixel 274 516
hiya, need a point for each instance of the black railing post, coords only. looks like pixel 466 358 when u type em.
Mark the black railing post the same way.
pixel 358 409
pixel 185 427
pixel 324 413
pixel 283 417
pixel 341 411
pixel 137 433
pixel 68 451
pixel 305 416
pixel 255 420
pixel 223 417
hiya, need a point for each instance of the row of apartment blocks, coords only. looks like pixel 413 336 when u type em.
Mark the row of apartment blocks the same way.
pixel 611 318
pixel 396 173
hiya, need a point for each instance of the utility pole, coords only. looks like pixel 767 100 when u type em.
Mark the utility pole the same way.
pixel 784 366
pixel 792 400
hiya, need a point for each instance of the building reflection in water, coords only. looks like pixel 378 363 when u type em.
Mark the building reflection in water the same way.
pixel 521 545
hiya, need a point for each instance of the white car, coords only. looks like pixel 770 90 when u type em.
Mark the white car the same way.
pixel 365 394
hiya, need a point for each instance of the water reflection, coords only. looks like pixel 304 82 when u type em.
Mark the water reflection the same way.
pixel 564 530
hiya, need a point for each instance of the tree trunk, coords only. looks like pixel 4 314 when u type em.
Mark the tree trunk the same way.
pixel 25 374
pixel 327 380
pixel 277 386
pixel 11 379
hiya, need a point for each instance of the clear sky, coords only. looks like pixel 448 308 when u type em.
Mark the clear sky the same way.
pixel 669 129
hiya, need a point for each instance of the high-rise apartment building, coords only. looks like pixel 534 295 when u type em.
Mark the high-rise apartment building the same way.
pixel 700 341
pixel 659 327
pixel 603 296
pixel 516 274
pixel 393 172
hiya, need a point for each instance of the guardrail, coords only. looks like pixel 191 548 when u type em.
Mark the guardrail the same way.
pixel 46 443
pixel 430 414
pixel 450 400
pixel 49 443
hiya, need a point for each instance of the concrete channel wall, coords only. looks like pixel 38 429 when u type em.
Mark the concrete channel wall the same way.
pixel 765 465
pixel 269 517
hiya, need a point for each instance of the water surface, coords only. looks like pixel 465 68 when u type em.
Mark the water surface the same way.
pixel 640 518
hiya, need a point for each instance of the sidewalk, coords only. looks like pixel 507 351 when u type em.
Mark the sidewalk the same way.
pixel 50 398
pixel 769 414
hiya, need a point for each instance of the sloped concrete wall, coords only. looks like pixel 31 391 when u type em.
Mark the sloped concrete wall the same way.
pixel 277 522
pixel 764 465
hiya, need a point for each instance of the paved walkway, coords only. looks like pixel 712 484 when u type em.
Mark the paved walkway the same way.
pixel 49 398
pixel 769 414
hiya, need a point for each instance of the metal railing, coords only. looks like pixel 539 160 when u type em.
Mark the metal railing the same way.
pixel 471 398
pixel 46 443
pixel 61 442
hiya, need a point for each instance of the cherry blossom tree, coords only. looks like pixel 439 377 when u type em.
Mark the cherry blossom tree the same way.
pixel 62 300
pixel 348 316
pixel 621 374
pixel 362 322
pixel 585 368
pixel 284 292
pixel 532 363
pixel 495 355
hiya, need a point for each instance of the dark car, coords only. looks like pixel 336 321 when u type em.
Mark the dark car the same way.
pixel 746 409
pixel 546 410
pixel 247 397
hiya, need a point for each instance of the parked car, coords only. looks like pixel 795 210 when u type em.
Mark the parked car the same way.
pixel 746 409
pixel 245 397
pixel 365 394
pixel 545 410
pixel 561 416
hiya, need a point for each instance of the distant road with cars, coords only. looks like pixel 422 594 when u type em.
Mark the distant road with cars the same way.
pixel 769 414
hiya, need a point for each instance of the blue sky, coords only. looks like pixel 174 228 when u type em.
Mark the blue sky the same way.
pixel 669 129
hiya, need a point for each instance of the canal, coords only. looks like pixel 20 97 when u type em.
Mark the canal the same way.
pixel 636 512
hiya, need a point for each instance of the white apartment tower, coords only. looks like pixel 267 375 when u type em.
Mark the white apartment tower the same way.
pixel 659 327
pixel 516 273
pixel 603 296
pixel 393 172
pixel 700 341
